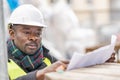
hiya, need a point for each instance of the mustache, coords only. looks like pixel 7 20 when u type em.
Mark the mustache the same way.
pixel 31 43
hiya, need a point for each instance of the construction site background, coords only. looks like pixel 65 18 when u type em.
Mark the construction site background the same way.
pixel 73 25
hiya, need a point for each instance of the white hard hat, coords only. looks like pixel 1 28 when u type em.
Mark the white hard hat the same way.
pixel 27 15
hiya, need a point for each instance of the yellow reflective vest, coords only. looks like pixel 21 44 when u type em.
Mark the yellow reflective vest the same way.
pixel 15 71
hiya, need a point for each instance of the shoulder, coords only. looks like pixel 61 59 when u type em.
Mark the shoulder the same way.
pixel 46 53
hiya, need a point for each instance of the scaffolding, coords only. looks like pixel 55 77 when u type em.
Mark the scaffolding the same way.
pixel 3 49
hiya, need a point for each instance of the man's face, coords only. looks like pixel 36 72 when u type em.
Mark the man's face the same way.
pixel 26 38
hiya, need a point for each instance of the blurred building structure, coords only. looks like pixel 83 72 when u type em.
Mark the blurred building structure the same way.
pixel 92 13
pixel 102 16
pixel 115 10
pixel 99 15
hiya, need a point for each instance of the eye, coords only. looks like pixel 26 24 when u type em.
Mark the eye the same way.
pixel 38 34
pixel 26 32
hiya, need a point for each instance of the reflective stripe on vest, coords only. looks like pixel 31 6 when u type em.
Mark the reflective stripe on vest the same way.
pixel 15 71
pixel 47 61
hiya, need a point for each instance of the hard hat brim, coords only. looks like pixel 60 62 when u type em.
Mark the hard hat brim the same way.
pixel 34 24
pixel 31 24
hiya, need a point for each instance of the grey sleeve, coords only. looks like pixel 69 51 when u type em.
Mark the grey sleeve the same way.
pixel 29 76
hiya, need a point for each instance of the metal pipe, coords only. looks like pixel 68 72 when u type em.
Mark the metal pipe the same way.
pixel 3 49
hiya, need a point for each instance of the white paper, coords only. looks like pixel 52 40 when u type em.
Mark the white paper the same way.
pixel 97 56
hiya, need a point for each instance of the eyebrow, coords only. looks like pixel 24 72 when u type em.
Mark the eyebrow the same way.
pixel 27 28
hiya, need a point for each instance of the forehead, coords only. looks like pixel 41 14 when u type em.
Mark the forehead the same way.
pixel 27 27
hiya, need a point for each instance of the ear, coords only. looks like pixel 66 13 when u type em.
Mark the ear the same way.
pixel 12 34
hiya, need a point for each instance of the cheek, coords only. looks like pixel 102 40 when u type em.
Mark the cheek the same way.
pixel 19 40
pixel 39 40
pixel 21 37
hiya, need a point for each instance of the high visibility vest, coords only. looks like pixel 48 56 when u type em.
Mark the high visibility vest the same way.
pixel 15 71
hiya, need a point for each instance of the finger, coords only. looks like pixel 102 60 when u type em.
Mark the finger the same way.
pixel 65 61
pixel 113 55
pixel 60 68
pixel 61 65
pixel 111 59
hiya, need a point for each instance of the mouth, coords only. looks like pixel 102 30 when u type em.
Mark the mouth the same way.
pixel 32 46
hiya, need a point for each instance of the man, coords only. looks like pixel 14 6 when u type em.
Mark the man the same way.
pixel 27 56
pixel 28 59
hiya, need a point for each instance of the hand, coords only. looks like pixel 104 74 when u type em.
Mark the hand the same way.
pixel 52 68
pixel 112 58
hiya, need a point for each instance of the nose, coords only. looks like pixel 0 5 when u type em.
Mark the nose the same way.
pixel 33 37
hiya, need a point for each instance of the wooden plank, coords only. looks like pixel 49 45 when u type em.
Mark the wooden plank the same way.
pixel 107 71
